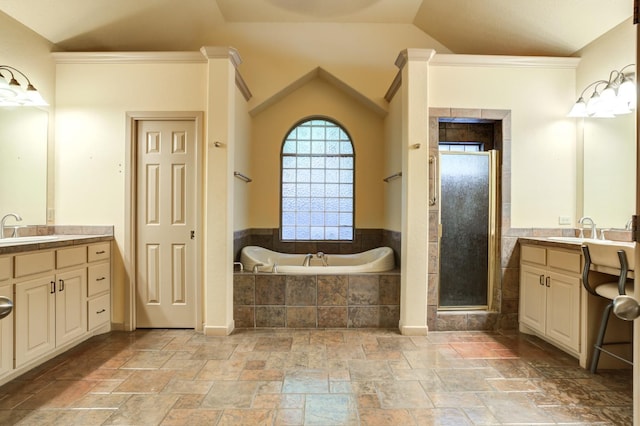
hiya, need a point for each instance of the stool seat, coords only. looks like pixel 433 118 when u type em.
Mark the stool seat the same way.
pixel 610 290
pixel 616 261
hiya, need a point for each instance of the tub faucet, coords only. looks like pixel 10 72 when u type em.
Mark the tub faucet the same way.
pixel 586 219
pixel 239 265
pixel 4 219
pixel 256 267
pixel 307 259
pixel 322 257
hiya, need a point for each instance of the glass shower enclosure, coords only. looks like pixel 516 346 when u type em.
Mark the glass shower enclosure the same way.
pixel 468 223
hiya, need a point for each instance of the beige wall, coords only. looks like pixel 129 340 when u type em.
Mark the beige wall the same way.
pixel 317 97
pixel 392 165
pixel 608 177
pixel 30 53
pixel 242 161
pixel 543 162
pixel 92 102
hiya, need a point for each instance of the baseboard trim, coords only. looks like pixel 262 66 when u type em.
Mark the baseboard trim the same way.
pixel 212 330
pixel 414 330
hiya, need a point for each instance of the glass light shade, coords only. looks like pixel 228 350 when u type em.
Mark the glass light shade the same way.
pixel 627 89
pixel 34 97
pixel 579 109
pixel 593 105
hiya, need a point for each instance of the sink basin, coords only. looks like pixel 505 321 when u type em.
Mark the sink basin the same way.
pixel 577 240
pixel 27 240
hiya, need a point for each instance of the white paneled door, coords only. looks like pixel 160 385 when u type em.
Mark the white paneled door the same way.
pixel 165 224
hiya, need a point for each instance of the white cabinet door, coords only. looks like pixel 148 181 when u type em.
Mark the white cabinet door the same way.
pixel 34 310
pixel 71 307
pixel 563 309
pixel 6 335
pixel 533 297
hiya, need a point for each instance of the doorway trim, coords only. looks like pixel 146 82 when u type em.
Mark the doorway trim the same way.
pixel 130 231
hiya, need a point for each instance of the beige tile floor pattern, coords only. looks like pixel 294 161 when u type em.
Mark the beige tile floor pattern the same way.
pixel 315 377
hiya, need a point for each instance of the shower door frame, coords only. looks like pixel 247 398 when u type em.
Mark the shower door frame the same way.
pixel 493 226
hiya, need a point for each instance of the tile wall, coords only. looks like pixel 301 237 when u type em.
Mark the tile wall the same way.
pixel 316 301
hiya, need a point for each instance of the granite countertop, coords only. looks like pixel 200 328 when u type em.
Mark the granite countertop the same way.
pixel 61 240
pixel 567 242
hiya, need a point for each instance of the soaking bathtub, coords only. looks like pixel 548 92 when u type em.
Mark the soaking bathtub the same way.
pixel 380 259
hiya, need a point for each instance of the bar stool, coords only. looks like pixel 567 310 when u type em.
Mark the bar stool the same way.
pixel 601 258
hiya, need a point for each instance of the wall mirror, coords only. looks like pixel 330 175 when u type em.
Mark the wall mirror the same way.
pixel 610 170
pixel 23 164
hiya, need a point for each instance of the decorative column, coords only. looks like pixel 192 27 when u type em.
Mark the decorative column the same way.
pixel 217 238
pixel 414 66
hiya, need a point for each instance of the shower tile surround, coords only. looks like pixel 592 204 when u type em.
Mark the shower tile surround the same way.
pixel 267 300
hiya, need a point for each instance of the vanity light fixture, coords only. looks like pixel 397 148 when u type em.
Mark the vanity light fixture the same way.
pixel 611 97
pixel 12 93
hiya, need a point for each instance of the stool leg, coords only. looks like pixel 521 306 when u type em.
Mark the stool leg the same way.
pixel 600 339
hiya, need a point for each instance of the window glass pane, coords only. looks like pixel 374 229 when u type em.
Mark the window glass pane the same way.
pixel 331 232
pixel 288 204
pixel 317 175
pixel 346 219
pixel 289 147
pixel 304 162
pixel 288 190
pixel 304 147
pixel 304 175
pixel 331 219
pixel 346 191
pixel 346 233
pixel 288 233
pixel 288 219
pixel 288 162
pixel 288 175
pixel 317 133
pixel 303 190
pixel 317 190
pixel 317 232
pixel 317 183
pixel 346 176
pixel 332 204
pixel 303 218
pixel 317 219
pixel 317 204
pixel 333 162
pixel 332 176
pixel 332 190
pixel 302 233
pixel 346 162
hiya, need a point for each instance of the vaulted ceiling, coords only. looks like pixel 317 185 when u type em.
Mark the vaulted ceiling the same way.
pixel 504 27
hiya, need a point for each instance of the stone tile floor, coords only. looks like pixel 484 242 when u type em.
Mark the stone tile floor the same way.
pixel 315 377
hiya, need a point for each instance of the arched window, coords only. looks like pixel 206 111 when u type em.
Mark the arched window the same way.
pixel 317 189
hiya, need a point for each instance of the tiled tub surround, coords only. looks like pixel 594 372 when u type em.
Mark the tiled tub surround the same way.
pixel 316 301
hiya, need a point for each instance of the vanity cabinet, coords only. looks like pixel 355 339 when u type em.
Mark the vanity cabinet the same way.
pixel 550 292
pixel 6 324
pixel 55 292
pixel 50 310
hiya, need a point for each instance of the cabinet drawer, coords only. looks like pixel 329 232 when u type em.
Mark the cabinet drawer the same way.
pixel 99 278
pixel 564 260
pixel 71 257
pixel 5 268
pixel 533 254
pixel 98 311
pixel 99 252
pixel 33 263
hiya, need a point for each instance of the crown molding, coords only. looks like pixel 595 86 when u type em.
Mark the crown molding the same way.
pixel 127 57
pixel 454 60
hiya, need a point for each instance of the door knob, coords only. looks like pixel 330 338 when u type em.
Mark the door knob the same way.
pixel 6 306
pixel 626 307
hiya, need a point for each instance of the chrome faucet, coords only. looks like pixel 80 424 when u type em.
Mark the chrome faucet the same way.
pixel 587 220
pixel 307 259
pixel 323 258
pixel 4 219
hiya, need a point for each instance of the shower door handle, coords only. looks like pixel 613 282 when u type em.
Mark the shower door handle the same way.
pixel 433 181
